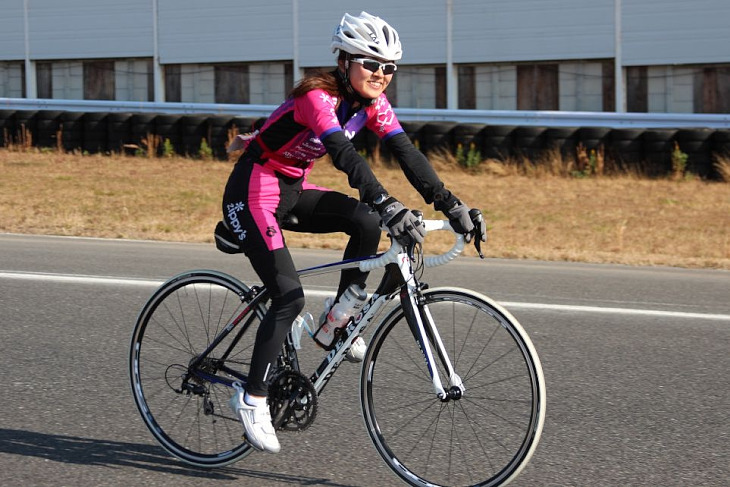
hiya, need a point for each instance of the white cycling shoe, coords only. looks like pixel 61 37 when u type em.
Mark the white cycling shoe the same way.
pixel 256 420
pixel 357 350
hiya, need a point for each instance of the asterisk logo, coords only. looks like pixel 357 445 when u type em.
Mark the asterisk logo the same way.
pixel 236 206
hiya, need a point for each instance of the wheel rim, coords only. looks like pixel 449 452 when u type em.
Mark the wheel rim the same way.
pixel 196 424
pixel 484 438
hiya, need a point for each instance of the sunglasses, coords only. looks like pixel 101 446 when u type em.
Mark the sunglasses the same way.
pixel 373 65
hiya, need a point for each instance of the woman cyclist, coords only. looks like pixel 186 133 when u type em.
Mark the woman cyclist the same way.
pixel 268 191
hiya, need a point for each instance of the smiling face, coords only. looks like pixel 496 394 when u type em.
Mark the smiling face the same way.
pixel 367 83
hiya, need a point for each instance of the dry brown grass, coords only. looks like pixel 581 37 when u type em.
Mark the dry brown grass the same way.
pixel 533 212
pixel 722 164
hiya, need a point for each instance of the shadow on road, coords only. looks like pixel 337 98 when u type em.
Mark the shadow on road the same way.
pixel 86 451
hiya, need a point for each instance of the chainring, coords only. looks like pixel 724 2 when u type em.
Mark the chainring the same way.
pixel 292 400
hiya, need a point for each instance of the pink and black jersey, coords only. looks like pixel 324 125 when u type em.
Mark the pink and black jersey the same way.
pixel 291 137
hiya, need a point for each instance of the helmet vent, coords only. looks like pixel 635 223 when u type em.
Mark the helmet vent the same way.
pixel 387 37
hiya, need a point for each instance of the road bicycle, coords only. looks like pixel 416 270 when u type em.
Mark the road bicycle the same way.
pixel 451 388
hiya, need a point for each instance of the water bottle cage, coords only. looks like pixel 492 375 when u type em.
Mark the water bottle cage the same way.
pixel 338 333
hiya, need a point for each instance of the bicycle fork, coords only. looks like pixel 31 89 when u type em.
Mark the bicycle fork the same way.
pixel 426 333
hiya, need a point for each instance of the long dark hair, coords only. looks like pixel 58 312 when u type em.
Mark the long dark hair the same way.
pixel 325 80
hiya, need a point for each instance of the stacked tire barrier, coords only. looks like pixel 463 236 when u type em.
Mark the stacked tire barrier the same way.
pixel 649 150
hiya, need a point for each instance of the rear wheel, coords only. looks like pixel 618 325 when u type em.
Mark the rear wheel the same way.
pixel 485 436
pixel 188 414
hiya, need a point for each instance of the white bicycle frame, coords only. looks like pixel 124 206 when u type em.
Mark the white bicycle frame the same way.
pixel 397 254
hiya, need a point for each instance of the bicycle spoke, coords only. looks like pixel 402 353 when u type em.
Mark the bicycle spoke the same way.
pixel 186 346
pixel 478 438
pixel 188 415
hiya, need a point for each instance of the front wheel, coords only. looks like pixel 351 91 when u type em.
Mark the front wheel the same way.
pixel 484 437
pixel 187 409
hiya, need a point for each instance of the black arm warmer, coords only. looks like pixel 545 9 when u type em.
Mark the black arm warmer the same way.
pixel 419 172
pixel 346 159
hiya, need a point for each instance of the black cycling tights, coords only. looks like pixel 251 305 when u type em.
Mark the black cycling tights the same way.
pixel 316 211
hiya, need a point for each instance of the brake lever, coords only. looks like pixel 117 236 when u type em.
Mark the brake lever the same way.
pixel 478 245
pixel 476 216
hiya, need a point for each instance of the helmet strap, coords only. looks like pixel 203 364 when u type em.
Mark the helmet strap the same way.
pixel 343 80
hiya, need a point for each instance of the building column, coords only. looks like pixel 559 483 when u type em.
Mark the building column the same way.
pixel 296 69
pixel 31 85
pixel 619 80
pixel 452 76
pixel 158 73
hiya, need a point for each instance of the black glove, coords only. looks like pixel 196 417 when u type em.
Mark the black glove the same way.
pixel 468 222
pixel 403 225
pixel 460 220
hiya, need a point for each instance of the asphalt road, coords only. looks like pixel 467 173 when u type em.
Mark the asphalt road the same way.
pixel 636 362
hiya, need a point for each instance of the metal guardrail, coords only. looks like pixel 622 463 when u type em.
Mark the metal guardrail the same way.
pixel 484 117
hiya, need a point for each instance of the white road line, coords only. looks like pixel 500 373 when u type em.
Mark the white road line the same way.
pixel 152 283
pixel 78 279
pixel 628 311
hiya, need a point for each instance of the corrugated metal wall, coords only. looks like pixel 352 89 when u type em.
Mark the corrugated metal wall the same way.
pixel 655 32
pixel 81 29
pixel 659 32
pixel 669 42
pixel 12 31
pixel 224 30
pixel 532 30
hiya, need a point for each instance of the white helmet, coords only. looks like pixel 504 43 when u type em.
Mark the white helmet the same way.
pixel 367 35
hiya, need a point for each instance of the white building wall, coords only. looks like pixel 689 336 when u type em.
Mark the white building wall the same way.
pixel 131 80
pixel 682 100
pixel 197 83
pixel 11 80
pixel 82 29
pixel 192 31
pixel 670 89
pixel 657 32
pixel 496 87
pixel 68 80
pixel 12 38
pixel 416 87
pixel 532 30
pixel 266 83
pixel 580 86
pixel 672 35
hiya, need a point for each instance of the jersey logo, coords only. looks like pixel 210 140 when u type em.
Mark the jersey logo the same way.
pixel 233 209
pixel 385 118
pixel 371 33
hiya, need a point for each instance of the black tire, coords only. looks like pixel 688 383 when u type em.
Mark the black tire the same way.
pixel 563 139
pixel 177 323
pixel 48 123
pixel 96 126
pixel 72 130
pixel 484 438
pixel 624 146
pixel 119 131
pixel 591 138
pixel 528 141
pixel 497 141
